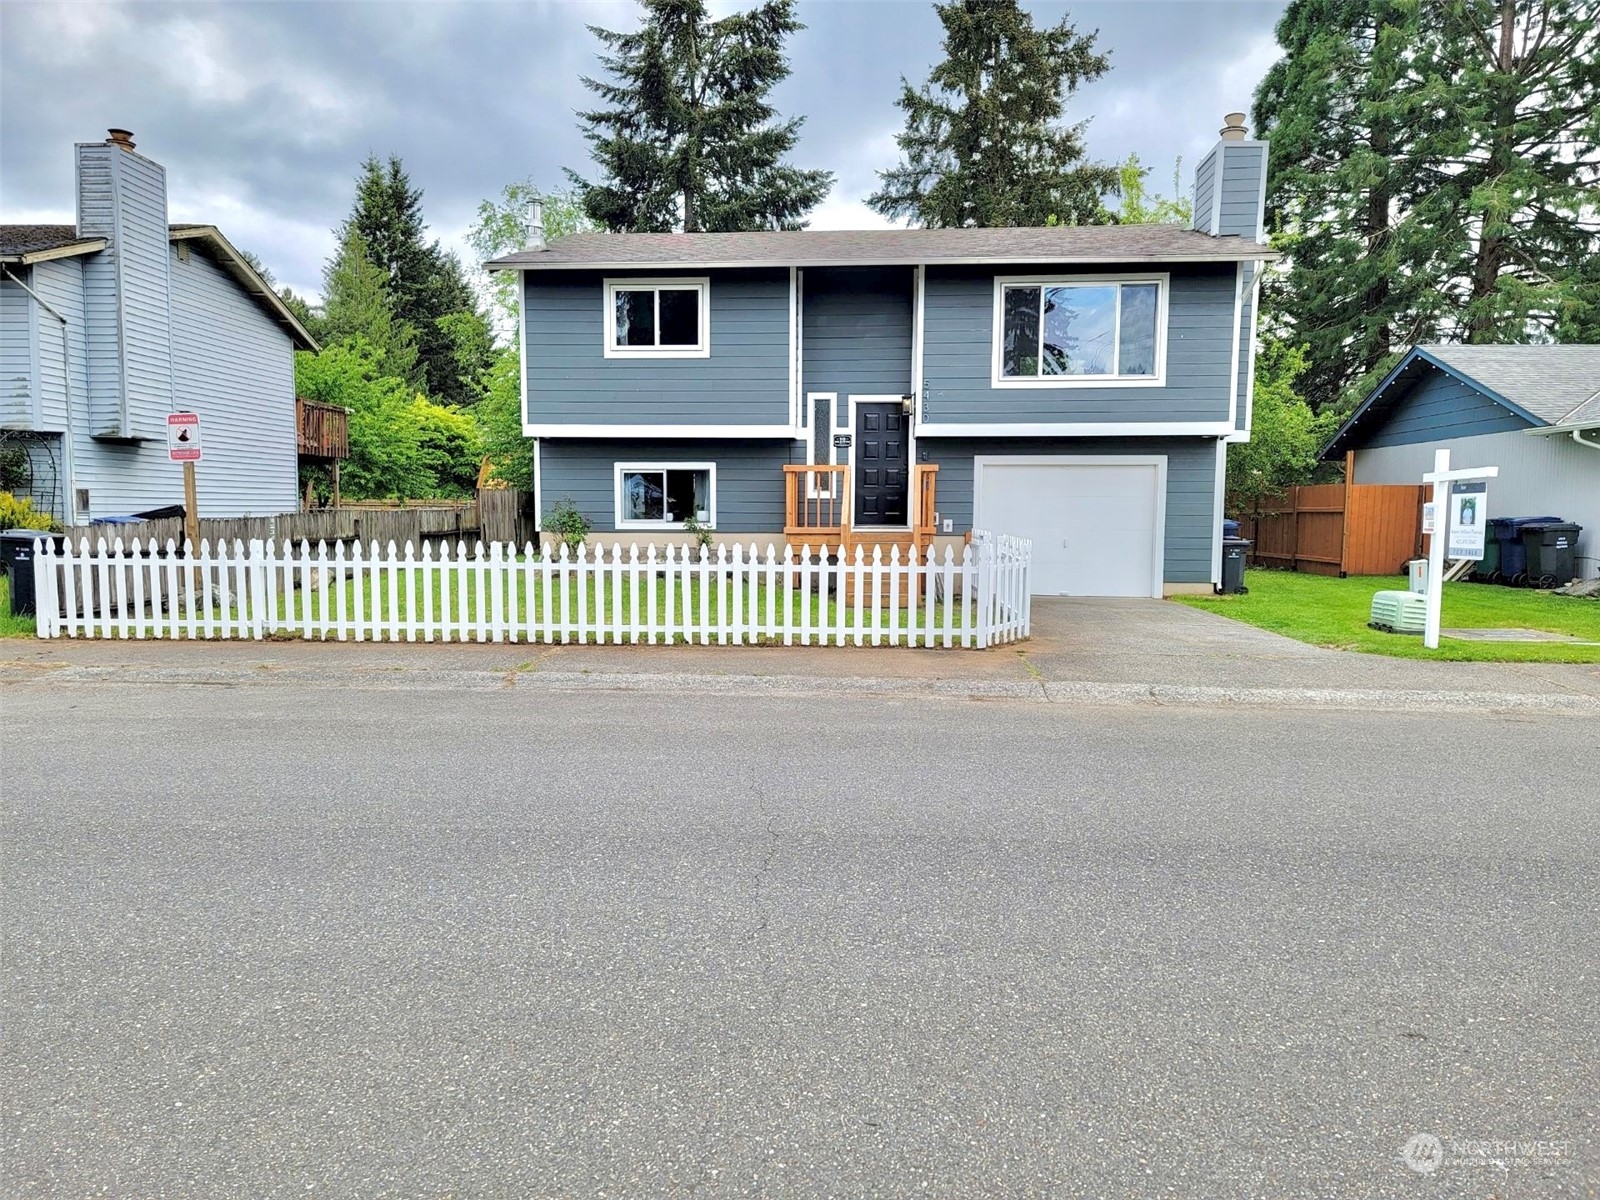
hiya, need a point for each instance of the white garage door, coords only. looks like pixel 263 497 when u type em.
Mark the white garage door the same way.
pixel 1096 524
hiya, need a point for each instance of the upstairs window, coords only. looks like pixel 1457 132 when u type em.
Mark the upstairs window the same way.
pixel 657 318
pixel 1057 333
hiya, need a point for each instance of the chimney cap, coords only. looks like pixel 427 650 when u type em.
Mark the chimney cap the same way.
pixel 1233 129
pixel 120 137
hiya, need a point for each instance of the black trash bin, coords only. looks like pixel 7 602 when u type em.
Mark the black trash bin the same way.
pixel 1513 556
pixel 1552 551
pixel 1234 551
pixel 16 559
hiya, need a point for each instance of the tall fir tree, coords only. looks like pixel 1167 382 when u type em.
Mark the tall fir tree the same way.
pixel 688 138
pixel 356 306
pixel 1344 193
pixel 1513 90
pixel 983 142
pixel 425 283
pixel 1433 175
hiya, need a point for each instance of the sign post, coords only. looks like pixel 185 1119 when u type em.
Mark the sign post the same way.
pixel 1445 516
pixel 183 446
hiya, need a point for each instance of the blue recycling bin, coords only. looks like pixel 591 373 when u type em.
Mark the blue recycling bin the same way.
pixel 1513 554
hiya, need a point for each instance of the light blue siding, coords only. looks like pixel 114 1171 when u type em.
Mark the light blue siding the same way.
pixel 1441 406
pixel 745 381
pixel 857 331
pixel 123 197
pixel 749 476
pixel 958 340
pixel 235 367
pixel 60 283
pixel 1191 486
pixel 1205 182
pixel 18 384
pixel 1243 164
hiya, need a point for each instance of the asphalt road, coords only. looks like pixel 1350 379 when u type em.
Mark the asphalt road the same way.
pixel 269 941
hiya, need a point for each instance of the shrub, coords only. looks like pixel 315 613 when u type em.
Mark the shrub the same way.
pixel 17 512
pixel 567 523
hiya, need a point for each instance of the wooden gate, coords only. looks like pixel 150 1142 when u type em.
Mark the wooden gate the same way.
pixel 1338 528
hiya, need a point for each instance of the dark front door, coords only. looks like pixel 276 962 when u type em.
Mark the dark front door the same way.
pixel 883 465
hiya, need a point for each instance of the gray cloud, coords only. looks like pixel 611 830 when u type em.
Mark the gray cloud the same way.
pixel 261 112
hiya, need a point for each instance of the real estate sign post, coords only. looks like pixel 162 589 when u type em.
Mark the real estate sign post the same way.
pixel 1450 514
pixel 183 446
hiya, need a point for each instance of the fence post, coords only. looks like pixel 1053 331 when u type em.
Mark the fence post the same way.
pixel 257 590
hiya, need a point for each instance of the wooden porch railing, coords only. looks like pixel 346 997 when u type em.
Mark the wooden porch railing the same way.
pixel 816 500
pixel 322 430
pixel 924 477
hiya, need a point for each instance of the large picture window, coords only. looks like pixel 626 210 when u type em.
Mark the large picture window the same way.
pixel 664 495
pixel 657 318
pixel 1060 332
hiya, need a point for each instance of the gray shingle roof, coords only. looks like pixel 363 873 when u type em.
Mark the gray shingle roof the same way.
pixel 1558 384
pixel 818 248
pixel 18 240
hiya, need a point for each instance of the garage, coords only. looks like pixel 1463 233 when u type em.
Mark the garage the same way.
pixel 1096 523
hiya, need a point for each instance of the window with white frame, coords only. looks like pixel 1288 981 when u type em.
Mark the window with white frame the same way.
pixel 665 494
pixel 657 318
pixel 1059 331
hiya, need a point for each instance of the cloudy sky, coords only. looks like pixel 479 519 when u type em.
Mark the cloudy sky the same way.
pixel 261 112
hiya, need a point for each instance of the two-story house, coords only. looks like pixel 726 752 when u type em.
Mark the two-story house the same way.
pixel 1075 386
pixel 109 324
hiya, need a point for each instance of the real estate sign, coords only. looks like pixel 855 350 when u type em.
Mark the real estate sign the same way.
pixel 1469 517
pixel 183 437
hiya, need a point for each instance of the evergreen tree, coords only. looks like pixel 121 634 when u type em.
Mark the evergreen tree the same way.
pixel 1513 88
pixel 983 143
pixel 356 305
pixel 424 282
pixel 1359 234
pixel 688 138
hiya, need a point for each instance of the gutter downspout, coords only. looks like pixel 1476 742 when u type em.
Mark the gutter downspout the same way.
pixel 1577 436
pixel 69 502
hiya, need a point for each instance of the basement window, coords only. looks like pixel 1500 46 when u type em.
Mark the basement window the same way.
pixel 664 495
pixel 657 318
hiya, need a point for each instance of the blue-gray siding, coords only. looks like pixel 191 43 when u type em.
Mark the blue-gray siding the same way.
pixel 745 381
pixel 958 343
pixel 17 382
pixel 1246 325
pixel 1243 165
pixel 856 331
pixel 1441 406
pixel 749 476
pixel 1205 182
pixel 1191 486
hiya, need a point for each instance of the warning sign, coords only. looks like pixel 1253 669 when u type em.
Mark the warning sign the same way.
pixel 183 437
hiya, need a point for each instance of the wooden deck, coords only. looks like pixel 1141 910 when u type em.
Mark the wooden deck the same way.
pixel 817 515
pixel 322 430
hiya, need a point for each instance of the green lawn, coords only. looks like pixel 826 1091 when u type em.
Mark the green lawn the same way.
pixel 10 626
pixel 1333 612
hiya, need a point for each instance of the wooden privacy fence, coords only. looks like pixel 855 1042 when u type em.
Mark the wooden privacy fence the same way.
pixel 264 589
pixel 1338 528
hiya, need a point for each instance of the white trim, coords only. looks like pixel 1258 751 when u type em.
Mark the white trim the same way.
pixel 557 430
pixel 911 452
pixel 794 346
pixel 1158 461
pixel 1079 429
pixel 1218 491
pixel 1233 361
pixel 92 246
pixel 1163 282
pixel 617 468
pixel 811 427
pixel 522 340
pixel 678 283
pixel 1261 198
pixel 1221 153
pixel 965 260
pixel 1250 364
pixel 36 377
pixel 538 488
pixel 919 292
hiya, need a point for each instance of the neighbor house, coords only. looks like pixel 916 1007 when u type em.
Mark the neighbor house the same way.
pixel 1532 411
pixel 108 325
pixel 1075 386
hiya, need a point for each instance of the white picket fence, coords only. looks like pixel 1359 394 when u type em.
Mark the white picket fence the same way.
pixel 734 596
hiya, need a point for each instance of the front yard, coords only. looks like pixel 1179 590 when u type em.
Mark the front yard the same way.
pixel 1332 612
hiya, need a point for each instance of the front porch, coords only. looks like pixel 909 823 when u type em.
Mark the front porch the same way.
pixel 817 517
